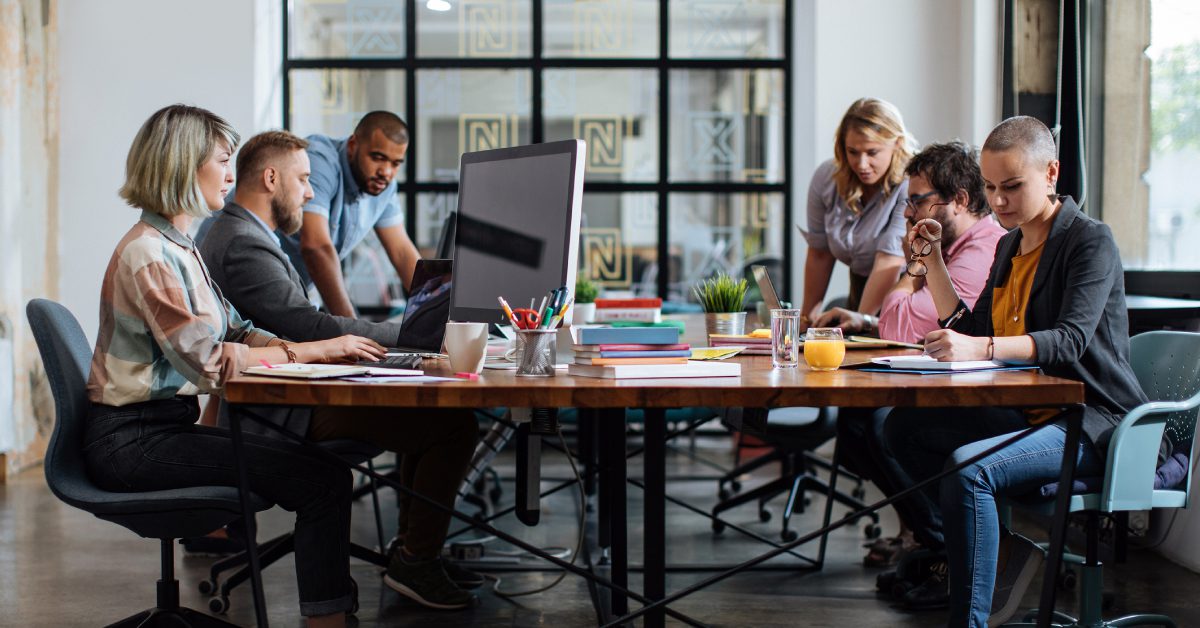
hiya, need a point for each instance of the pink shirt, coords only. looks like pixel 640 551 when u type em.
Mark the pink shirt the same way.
pixel 908 317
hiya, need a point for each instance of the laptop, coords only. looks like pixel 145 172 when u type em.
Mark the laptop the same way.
pixel 423 325
pixel 770 298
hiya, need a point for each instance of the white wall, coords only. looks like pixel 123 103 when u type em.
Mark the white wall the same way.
pixel 120 60
pixel 934 59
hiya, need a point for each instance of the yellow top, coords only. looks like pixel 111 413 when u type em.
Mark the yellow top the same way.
pixel 1010 301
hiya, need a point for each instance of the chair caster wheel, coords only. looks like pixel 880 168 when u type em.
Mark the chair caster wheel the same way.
pixel 495 495
pixel 1067 579
pixel 859 493
pixel 218 605
pixel 872 531
pixel 723 494
pixel 735 486
pixel 788 536
pixel 717 527
pixel 208 587
pixel 764 515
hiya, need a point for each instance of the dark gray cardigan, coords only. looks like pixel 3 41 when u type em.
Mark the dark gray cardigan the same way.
pixel 1076 315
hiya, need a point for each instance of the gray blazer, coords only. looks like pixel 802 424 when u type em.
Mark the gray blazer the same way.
pixel 1076 315
pixel 260 282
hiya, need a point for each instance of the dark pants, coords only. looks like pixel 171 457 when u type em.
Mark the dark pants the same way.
pixel 862 450
pixel 436 446
pixel 156 445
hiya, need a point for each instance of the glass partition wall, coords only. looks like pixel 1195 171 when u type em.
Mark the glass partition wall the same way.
pixel 683 104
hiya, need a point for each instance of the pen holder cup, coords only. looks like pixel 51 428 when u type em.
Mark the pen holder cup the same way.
pixel 535 352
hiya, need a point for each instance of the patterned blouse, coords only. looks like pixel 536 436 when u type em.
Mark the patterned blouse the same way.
pixel 165 328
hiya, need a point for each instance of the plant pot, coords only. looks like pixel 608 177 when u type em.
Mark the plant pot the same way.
pixel 583 313
pixel 725 323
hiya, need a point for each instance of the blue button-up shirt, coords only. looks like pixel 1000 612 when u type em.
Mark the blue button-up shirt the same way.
pixel 352 213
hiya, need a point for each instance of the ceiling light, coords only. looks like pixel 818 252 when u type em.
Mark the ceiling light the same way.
pixel 438 5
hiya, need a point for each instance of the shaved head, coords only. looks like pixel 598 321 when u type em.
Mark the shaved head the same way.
pixel 389 123
pixel 1026 135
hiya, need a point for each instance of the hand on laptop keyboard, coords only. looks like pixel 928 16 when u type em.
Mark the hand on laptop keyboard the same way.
pixel 403 361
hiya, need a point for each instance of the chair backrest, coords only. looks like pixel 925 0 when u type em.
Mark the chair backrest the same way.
pixel 67 356
pixel 1167 365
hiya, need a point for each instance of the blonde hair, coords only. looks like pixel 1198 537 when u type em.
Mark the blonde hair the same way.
pixel 881 122
pixel 167 152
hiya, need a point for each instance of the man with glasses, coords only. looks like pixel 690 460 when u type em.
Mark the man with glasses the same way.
pixel 944 183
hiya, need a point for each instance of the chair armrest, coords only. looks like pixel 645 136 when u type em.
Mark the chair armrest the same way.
pixel 1133 454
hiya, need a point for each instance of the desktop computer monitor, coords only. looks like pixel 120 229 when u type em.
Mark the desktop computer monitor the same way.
pixel 517 230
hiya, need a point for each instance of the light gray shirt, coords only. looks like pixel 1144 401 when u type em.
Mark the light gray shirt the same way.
pixel 854 238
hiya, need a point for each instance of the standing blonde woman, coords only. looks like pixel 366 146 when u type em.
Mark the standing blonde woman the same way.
pixel 167 334
pixel 856 208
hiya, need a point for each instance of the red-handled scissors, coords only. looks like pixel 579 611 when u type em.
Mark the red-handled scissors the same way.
pixel 526 318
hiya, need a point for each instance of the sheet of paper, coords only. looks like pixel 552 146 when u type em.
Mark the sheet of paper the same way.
pixel 419 379
pixel 715 353
pixel 380 371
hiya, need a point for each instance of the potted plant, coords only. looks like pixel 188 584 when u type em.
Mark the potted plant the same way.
pixel 585 300
pixel 723 301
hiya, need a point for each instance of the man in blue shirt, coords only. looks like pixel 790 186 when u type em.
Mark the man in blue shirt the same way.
pixel 353 194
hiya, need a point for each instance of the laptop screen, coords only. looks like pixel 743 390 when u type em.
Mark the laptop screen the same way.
pixel 428 308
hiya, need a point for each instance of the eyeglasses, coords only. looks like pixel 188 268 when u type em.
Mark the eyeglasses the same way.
pixel 914 202
pixel 919 248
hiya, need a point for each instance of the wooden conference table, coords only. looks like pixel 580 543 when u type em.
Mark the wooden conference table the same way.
pixel 759 385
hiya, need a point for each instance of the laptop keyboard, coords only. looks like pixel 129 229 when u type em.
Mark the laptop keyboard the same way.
pixel 403 361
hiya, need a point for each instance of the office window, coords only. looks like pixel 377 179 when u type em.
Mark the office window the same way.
pixel 683 105
pixel 1151 131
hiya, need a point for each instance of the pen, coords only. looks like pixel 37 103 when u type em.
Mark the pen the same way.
pixel 508 311
pixel 541 311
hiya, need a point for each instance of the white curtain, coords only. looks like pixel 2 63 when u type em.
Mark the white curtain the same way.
pixel 28 258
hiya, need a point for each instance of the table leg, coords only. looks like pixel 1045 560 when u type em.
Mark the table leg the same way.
pixel 654 545
pixel 239 466
pixel 1058 528
pixel 614 424
pixel 587 449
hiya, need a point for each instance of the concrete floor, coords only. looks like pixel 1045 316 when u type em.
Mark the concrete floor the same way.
pixel 62 567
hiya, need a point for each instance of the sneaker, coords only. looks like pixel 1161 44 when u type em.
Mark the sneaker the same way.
pixel 1024 562
pixel 426 583
pixel 933 593
pixel 461 576
pixel 219 543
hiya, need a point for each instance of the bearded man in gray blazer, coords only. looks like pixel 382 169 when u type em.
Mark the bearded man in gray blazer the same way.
pixel 244 257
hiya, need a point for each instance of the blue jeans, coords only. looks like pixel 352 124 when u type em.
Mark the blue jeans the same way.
pixel 927 441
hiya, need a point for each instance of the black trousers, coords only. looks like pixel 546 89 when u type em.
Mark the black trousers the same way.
pixel 156 445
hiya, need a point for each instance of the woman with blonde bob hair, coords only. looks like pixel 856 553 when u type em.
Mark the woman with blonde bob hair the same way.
pixel 167 335
pixel 856 208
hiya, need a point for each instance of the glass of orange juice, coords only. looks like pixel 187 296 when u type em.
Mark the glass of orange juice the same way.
pixel 824 349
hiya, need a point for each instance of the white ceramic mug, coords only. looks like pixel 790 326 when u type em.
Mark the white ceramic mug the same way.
pixel 466 344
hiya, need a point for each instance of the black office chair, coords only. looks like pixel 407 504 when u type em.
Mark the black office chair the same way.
pixel 164 515
pixel 793 433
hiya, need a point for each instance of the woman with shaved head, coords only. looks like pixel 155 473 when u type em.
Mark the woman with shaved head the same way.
pixel 1055 298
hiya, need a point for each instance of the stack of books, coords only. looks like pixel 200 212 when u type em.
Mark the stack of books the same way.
pixel 757 342
pixel 639 310
pixel 639 352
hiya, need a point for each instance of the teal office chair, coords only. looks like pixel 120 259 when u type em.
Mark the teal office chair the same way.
pixel 1167 364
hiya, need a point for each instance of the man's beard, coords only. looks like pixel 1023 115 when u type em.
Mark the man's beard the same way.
pixel 286 220
pixel 949 233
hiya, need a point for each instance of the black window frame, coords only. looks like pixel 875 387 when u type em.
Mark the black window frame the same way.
pixel 537 64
